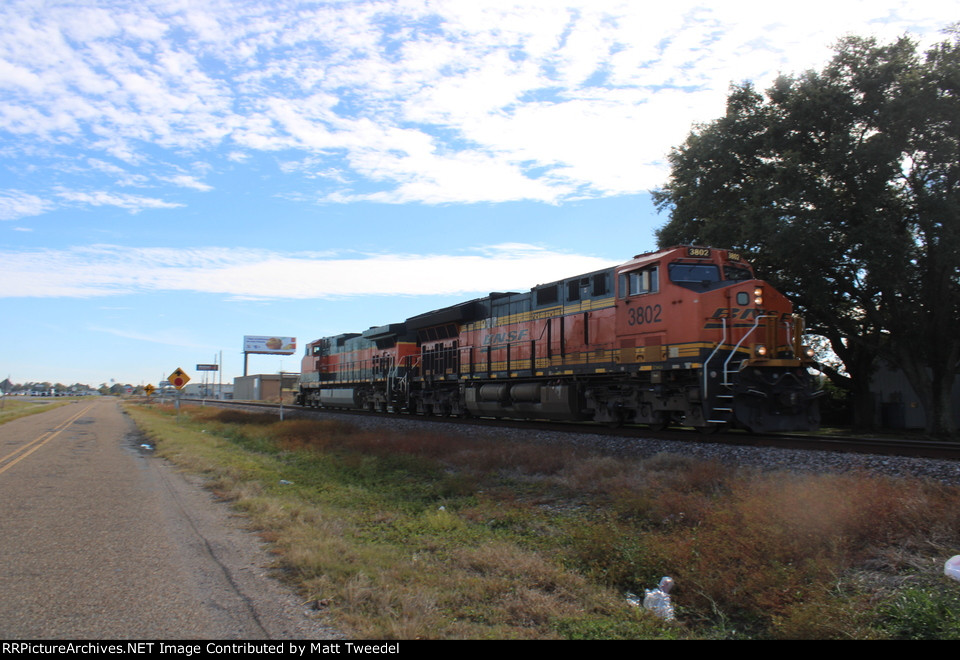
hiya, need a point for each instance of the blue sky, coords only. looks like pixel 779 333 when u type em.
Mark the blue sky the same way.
pixel 175 175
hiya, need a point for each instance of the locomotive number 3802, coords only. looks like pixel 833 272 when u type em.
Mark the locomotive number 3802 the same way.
pixel 644 314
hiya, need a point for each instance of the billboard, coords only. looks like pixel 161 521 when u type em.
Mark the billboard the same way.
pixel 270 345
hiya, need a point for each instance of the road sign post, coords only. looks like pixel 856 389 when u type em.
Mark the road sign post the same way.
pixel 179 380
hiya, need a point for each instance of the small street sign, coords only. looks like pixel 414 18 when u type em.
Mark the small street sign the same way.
pixel 149 389
pixel 179 378
pixel 207 367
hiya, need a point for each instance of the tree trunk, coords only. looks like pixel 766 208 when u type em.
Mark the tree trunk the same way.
pixel 859 361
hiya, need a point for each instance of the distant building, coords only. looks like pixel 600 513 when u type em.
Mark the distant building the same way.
pixel 265 387
pixel 897 405
pixel 209 391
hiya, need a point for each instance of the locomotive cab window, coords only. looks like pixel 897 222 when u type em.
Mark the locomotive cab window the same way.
pixel 639 282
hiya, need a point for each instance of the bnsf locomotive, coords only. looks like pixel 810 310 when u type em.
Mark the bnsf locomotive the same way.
pixel 683 336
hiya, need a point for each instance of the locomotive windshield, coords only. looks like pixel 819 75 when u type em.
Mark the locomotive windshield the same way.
pixel 707 276
pixel 737 273
pixel 694 273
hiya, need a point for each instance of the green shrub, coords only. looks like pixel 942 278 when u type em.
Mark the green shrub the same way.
pixel 923 613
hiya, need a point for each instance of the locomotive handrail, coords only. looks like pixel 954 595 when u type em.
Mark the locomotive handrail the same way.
pixel 756 324
pixel 403 380
pixel 791 335
pixel 706 365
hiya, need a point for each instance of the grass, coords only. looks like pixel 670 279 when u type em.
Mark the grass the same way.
pixel 400 535
pixel 17 407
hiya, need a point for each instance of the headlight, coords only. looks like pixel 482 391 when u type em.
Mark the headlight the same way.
pixel 758 295
pixel 760 350
pixel 809 352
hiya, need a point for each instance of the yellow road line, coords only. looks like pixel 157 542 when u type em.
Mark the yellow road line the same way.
pixel 34 445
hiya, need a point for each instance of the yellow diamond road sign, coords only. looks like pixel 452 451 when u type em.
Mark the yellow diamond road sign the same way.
pixel 179 378
pixel 149 389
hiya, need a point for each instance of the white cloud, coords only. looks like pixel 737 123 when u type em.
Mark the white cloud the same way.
pixel 133 203
pixel 439 101
pixel 178 337
pixel 15 205
pixel 105 270
pixel 187 181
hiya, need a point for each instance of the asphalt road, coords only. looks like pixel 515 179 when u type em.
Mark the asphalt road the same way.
pixel 100 540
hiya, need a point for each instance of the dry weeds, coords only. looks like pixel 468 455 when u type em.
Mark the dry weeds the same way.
pixel 400 535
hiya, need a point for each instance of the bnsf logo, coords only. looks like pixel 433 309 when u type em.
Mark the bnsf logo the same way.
pixel 742 313
pixel 504 337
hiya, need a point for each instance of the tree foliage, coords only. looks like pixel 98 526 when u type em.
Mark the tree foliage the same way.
pixel 844 187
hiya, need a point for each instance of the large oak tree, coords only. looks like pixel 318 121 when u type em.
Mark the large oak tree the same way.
pixel 844 187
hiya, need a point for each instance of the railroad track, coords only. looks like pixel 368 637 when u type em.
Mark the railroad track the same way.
pixel 884 446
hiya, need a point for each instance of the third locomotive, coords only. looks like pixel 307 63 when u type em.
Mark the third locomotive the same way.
pixel 683 336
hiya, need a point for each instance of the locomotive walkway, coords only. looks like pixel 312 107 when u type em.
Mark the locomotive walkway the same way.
pixel 99 540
